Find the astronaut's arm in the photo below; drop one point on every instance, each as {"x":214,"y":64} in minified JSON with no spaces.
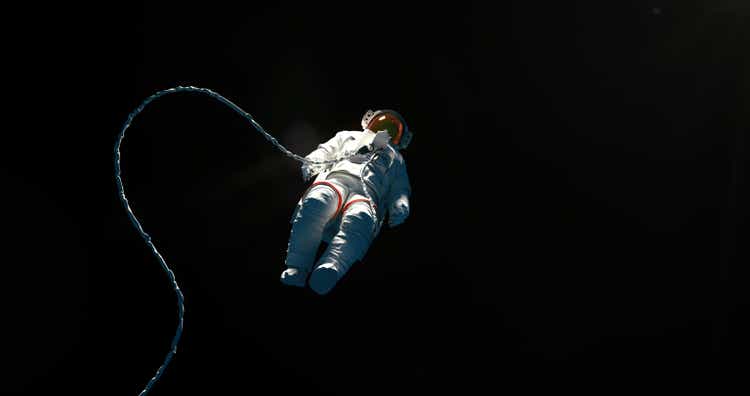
{"x":325,"y":152}
{"x":398,"y":202}
{"x":328,"y":150}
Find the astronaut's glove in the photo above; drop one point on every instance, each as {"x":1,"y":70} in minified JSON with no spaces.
{"x":307,"y":172}
{"x":381,"y":140}
{"x":398,"y":212}
{"x":310,"y":170}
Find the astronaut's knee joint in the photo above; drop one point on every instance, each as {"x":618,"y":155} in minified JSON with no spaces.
{"x":319,"y":197}
{"x":359,"y":216}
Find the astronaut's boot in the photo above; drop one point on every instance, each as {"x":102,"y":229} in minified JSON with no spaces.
{"x":325,"y":276}
{"x":294,"y":277}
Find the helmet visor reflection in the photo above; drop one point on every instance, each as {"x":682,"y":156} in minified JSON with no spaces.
{"x":390,"y":123}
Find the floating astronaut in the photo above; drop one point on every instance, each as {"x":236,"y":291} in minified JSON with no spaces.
{"x":347,"y":203}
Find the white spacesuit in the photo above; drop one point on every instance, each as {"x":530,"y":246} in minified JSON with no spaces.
{"x":338,"y":210}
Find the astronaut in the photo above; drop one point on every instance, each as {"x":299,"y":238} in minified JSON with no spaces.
{"x":346,"y":204}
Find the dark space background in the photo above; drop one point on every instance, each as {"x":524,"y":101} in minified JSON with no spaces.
{"x":578,"y":209}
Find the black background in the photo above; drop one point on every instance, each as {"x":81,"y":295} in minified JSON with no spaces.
{"x":577,"y":216}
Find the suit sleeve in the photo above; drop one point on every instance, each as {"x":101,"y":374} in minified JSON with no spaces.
{"x":400,"y":187}
{"x":327,"y":151}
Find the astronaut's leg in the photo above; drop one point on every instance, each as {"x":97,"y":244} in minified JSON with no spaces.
{"x":319,"y":205}
{"x":349,"y":245}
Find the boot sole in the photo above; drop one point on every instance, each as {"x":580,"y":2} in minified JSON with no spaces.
{"x":322,"y":280}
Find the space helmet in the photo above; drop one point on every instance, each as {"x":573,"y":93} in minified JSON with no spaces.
{"x":390,"y":121}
